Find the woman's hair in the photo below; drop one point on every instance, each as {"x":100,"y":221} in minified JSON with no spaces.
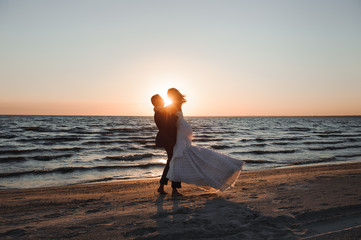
{"x":176,"y":96}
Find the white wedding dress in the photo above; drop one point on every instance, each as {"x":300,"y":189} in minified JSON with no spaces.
{"x":198,"y":165}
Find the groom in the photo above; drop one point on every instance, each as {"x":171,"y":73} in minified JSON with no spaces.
{"x":166,"y":121}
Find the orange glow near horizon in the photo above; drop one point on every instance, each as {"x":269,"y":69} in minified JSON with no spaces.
{"x":60,"y":108}
{"x":202,"y":107}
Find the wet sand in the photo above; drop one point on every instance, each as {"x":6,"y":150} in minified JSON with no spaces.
{"x":313,"y":202}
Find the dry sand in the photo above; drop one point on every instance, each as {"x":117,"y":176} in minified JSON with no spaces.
{"x":314,"y":202}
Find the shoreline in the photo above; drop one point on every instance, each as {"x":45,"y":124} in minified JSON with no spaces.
{"x":154,"y":178}
{"x":243,"y":171}
{"x":298,"y":202}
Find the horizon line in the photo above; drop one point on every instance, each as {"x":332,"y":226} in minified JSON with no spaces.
{"x":75,"y":115}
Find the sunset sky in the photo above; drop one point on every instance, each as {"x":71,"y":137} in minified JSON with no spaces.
{"x":230,"y":58}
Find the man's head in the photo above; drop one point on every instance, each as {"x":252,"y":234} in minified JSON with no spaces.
{"x":157,"y":101}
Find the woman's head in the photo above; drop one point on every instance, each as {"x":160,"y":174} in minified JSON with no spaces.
{"x":176,"y":96}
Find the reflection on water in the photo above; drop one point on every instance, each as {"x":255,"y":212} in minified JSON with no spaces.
{"x":60,"y":150}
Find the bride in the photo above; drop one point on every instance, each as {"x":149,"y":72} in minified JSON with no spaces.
{"x":198,"y":165}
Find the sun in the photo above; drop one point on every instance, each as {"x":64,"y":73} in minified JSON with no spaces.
{"x":161,"y":84}
{"x":167,"y":101}
{"x":161,"y":88}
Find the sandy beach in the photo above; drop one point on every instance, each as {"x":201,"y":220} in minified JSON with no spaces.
{"x":313,"y":202}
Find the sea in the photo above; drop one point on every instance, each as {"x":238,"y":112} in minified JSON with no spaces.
{"x":42,"y":151}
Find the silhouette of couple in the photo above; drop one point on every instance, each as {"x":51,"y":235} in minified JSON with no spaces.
{"x":186,"y":162}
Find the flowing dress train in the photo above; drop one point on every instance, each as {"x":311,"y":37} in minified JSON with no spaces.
{"x":199,"y":165}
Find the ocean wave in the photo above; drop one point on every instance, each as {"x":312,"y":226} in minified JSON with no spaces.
{"x":50,"y":157}
{"x":257,"y":161}
{"x":67,"y":149}
{"x":333,"y":148}
{"x":303,"y":162}
{"x":20,"y":151}
{"x":122,"y":130}
{"x":141,"y":138}
{"x":115,"y":149}
{"x":38,"y":150}
{"x":12,"y":159}
{"x":79,"y":130}
{"x":290,"y":138}
{"x":127,"y":130}
{"x":221,"y":132}
{"x":37,"y":158}
{"x":322,"y":142}
{"x":207,"y":139}
{"x":261,"y":152}
{"x":351,"y":155}
{"x":257,"y":145}
{"x":131,"y":157}
{"x":279,"y":139}
{"x":64,"y":170}
{"x":299,"y":129}
{"x":7,"y":136}
{"x":107,"y":179}
{"x":328,"y":131}
{"x":62,"y":139}
{"x":106,"y":142}
{"x":26,"y":141}
{"x":152,"y":128}
{"x":103,"y":180}
{"x":280,"y":143}
{"x":149,"y":146}
{"x":51,"y":140}
{"x":144,"y":141}
{"x":203,"y":136}
{"x":262,"y":139}
{"x":37,"y":129}
{"x":338,"y":135}
{"x":220,"y":146}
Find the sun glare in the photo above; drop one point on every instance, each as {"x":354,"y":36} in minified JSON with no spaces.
{"x":167,"y":101}
{"x":160,"y":85}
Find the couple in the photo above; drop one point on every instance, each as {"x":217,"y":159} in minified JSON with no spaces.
{"x":187,"y":163}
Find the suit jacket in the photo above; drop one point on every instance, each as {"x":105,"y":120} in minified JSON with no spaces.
{"x":166,"y":121}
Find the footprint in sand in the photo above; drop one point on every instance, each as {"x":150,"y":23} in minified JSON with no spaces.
{"x":104,"y":223}
{"x":253,"y":196}
{"x":208,"y":195}
{"x":54,"y":215}
{"x":93,"y":211}
{"x":17,"y":232}
{"x":71,"y":235}
{"x":290,"y":207}
{"x":75,"y":227}
{"x":294,"y":199}
{"x":279,"y":198}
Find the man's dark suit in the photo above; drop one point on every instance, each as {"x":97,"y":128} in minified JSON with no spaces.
{"x":166,"y":121}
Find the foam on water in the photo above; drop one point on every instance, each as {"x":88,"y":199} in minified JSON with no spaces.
{"x":57,"y":150}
